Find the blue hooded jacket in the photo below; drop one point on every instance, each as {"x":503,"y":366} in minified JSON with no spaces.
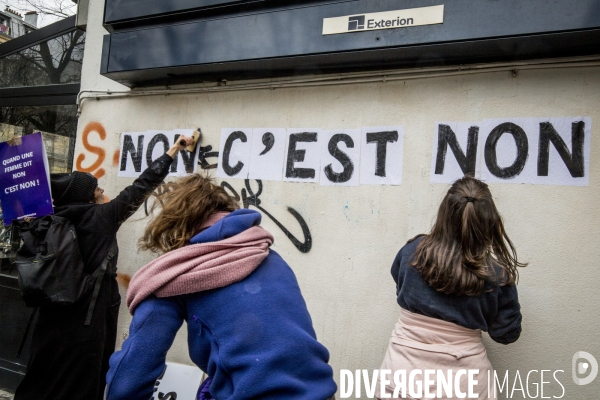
{"x":254,"y":337}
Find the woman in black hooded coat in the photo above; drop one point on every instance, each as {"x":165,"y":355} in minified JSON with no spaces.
{"x":69,"y":360}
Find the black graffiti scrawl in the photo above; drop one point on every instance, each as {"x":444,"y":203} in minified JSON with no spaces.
{"x":249,"y":198}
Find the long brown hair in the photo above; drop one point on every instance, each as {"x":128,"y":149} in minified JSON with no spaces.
{"x":466,"y":242}
{"x":185,"y":204}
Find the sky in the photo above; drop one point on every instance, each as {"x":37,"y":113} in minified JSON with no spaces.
{"x":22,"y":6}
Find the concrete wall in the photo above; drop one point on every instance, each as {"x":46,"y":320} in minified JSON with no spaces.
{"x":358,"y":230}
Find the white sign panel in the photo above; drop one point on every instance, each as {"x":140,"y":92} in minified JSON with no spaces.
{"x":551,"y":151}
{"x":454,"y":151}
{"x":234,"y":153}
{"x":382,"y":155}
{"x":302,"y":155}
{"x":384,"y":20}
{"x":505,"y":146}
{"x":139,"y":149}
{"x":564,"y":161}
{"x":340,"y":157}
{"x":178,"y":382}
{"x":266,"y":155}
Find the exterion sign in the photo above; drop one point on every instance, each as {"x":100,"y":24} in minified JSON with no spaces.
{"x":384,"y":20}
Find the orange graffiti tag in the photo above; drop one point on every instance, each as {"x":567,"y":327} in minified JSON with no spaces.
{"x":94,"y":169}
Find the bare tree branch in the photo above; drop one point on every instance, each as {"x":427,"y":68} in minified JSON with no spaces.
{"x":56,"y":8}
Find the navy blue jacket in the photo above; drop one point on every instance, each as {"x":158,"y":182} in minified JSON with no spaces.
{"x":496,"y":310}
{"x":254,"y":337}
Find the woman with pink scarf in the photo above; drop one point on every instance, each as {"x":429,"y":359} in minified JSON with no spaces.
{"x":248,"y":325}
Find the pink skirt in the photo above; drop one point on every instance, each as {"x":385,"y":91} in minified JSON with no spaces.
{"x":423,"y":343}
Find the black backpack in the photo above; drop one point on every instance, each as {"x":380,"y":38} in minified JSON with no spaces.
{"x":50,"y":266}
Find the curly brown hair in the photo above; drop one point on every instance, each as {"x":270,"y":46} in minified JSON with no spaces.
{"x":185,"y":204}
{"x":466,"y":242}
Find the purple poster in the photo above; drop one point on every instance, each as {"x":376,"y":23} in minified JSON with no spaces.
{"x":24,"y":179}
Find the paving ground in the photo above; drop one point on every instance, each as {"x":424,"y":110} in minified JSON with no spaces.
{"x":5,"y":395}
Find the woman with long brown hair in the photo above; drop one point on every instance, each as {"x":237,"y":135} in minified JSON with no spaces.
{"x":451,"y":285}
{"x":248,"y":325}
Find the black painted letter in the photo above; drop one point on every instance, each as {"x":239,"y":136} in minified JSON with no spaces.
{"x":342,"y":157}
{"x":382,"y":139}
{"x":136,"y":156}
{"x":294,"y":156}
{"x":491,"y":159}
{"x":447,"y":138}
{"x":229,"y":170}
{"x":158,"y":138}
{"x":573,"y":160}
{"x":186,"y":156}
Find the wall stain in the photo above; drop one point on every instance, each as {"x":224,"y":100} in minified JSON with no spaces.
{"x":116,"y":158}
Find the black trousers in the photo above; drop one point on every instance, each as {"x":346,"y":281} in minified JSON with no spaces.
{"x":69,"y":361}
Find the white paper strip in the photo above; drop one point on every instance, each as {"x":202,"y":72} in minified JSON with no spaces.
{"x":234,"y":153}
{"x":453,"y":151}
{"x":266,"y":155}
{"x":302,"y":155}
{"x":178,"y":382}
{"x":382,"y":154}
{"x":536,"y":150}
{"x":574,"y":170}
{"x":137,"y":148}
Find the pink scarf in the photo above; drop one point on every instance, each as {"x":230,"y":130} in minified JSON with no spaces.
{"x":202,"y":266}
